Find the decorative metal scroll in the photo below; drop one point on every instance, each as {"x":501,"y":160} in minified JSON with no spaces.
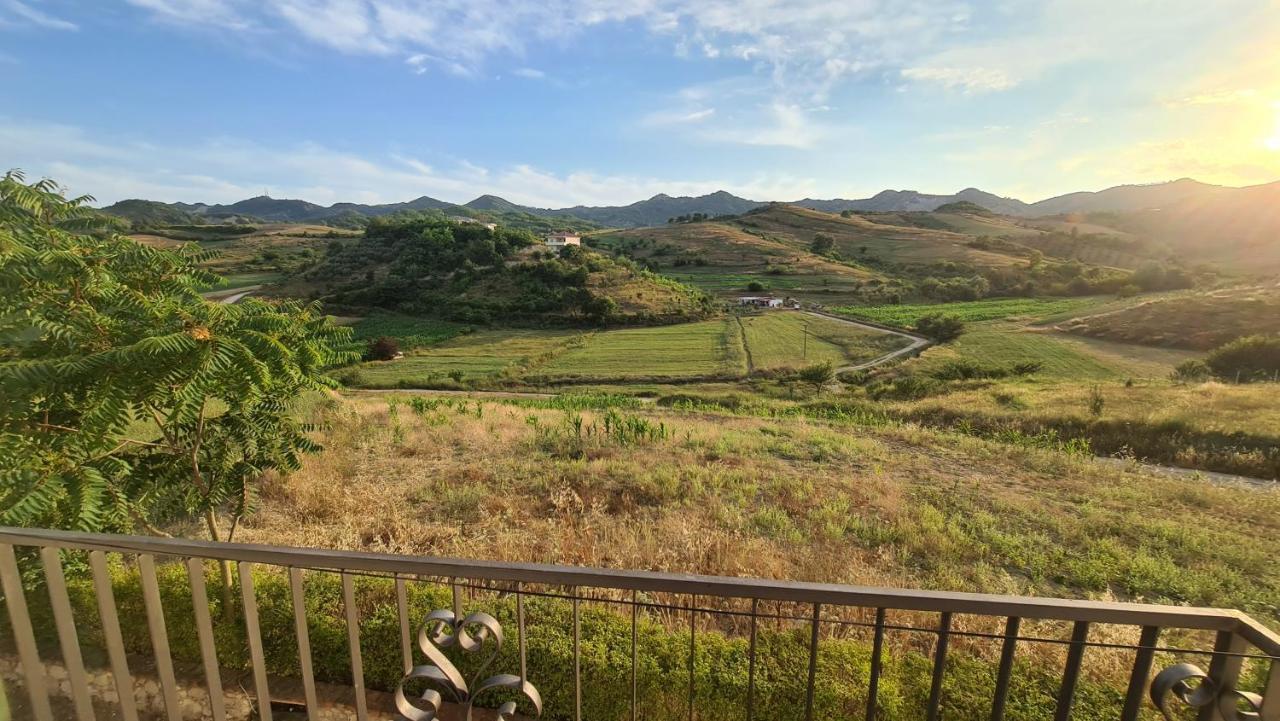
{"x":473,"y":635}
{"x":1189,"y":684}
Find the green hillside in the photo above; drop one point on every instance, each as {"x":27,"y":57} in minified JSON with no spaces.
{"x":1199,"y":321}
{"x":424,"y":265}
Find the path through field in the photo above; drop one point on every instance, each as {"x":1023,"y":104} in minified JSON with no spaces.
{"x":918,"y":342}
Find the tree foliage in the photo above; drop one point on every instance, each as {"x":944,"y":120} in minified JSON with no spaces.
{"x":1252,"y":358}
{"x":125,"y":397}
{"x":940,"y":326}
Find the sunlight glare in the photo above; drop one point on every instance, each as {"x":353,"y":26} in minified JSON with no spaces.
{"x":1273,"y":142}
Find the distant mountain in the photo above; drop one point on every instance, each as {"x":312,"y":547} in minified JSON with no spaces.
{"x":660,"y":208}
{"x":898,"y":201}
{"x":152,"y":213}
{"x":1128,"y":198}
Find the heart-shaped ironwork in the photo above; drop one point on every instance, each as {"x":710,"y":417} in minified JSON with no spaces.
{"x":442,"y":630}
{"x":1192,"y":686}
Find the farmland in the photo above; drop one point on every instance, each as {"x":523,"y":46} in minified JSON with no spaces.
{"x":981,"y":310}
{"x":725,"y":349}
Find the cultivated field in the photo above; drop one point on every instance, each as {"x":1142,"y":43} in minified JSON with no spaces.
{"x":725,"y":348}
{"x":905,"y":315}
{"x":774,"y":341}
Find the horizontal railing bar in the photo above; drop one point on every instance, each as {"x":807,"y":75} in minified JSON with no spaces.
{"x":655,"y":606}
{"x":805,"y":592}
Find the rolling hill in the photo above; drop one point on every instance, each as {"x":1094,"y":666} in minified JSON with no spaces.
{"x":1199,"y":321}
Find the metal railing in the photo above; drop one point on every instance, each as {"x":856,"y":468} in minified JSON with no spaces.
{"x":436,"y":671}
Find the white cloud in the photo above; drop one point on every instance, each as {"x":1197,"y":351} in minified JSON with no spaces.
{"x":663,"y":118}
{"x":223,"y":170}
{"x":202,"y":13}
{"x":531,"y":73}
{"x":967,"y":79}
{"x":25,"y":14}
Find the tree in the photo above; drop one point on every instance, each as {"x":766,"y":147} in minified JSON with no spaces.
{"x":822,"y":243}
{"x":125,"y":397}
{"x":940,"y":327}
{"x":755,"y":286}
{"x":817,"y":375}
{"x":382,"y":349}
{"x":1248,"y":359}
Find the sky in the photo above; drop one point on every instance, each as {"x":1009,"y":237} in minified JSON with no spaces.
{"x":605,"y":102}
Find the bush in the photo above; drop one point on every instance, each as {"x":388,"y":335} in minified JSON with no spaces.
{"x":853,"y":378}
{"x":940,"y":326}
{"x":1253,"y":358}
{"x":382,"y":349}
{"x":1191,"y":371}
{"x":755,"y":286}
{"x":817,"y":375}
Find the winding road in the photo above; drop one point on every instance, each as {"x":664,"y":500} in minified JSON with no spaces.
{"x":917,"y":344}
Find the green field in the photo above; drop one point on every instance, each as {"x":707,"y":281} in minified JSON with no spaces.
{"x":970,"y":311}
{"x":685,"y":350}
{"x":792,"y":340}
{"x":476,"y":355}
{"x":724,"y":348}
{"x":412,"y":332}
{"x":1062,"y":357}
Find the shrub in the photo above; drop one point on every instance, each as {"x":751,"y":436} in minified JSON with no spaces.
{"x":817,"y":375}
{"x":1097,"y":402}
{"x":755,"y":286}
{"x":940,"y":327}
{"x":382,"y":349}
{"x":1191,"y":371}
{"x":1247,"y":359}
{"x":853,"y":378}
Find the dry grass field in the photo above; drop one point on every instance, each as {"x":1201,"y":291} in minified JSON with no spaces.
{"x":889,"y":504}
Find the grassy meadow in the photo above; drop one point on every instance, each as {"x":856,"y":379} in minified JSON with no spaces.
{"x":906,"y":315}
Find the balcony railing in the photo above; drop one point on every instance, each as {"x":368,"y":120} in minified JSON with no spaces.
{"x":173,"y":622}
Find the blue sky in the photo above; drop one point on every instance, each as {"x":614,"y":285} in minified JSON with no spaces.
{"x":598,"y":102}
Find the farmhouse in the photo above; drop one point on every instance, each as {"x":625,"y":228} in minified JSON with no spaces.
{"x":760,"y":301}
{"x":562,"y":238}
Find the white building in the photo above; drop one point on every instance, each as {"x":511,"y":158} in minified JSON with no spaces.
{"x":561,"y":239}
{"x":760,"y":301}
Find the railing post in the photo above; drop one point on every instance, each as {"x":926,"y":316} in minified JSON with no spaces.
{"x":813,"y":663}
{"x":28,"y":656}
{"x":159,"y":635}
{"x":1224,"y":669}
{"x":1271,"y":694}
{"x":111,"y":634}
{"x":1005,"y":674}
{"x":1141,"y":673}
{"x":204,"y":630}
{"x":303,"y":634}
{"x":877,"y":650}
{"x":939,"y":667}
{"x":254,"y":634}
{"x":68,"y":638}
{"x":1071,"y":674}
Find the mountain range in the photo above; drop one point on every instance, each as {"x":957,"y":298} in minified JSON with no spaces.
{"x":660,"y":208}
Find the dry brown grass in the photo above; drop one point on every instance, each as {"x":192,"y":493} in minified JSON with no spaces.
{"x":789,"y":499}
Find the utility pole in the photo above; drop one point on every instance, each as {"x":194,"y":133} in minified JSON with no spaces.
{"x":804,"y":354}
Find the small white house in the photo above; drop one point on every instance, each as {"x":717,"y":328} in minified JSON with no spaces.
{"x":562,"y":238}
{"x":760,"y":301}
